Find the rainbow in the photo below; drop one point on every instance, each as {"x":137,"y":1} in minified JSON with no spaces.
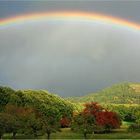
{"x":63,"y":15}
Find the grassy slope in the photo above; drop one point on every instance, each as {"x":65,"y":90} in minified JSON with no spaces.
{"x":124,"y":93}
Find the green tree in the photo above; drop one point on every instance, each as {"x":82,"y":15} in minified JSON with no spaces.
{"x":5,"y":93}
{"x":23,"y":120}
{"x":14,"y":121}
{"x":83,"y":123}
{"x":33,"y":123}
{"x":51,"y":121}
{"x":3,"y":120}
{"x":8,"y":124}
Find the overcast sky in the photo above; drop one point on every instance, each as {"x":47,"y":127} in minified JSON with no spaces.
{"x":69,"y":58}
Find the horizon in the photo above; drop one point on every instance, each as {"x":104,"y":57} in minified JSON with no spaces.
{"x":92,"y":92}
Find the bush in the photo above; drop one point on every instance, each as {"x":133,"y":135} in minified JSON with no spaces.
{"x":99,"y":129}
{"x":137,"y":115}
{"x":134,"y":128}
{"x":129,"y":113}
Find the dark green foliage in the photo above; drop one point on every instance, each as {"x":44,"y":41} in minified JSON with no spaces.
{"x":83,"y":123}
{"x":9,"y":123}
{"x":128,"y":113}
{"x":22,"y":120}
{"x":22,"y":106}
{"x":27,"y":121}
{"x":134,"y":128}
{"x":46,"y":102}
{"x":3,"y":124}
{"x":137,"y":116}
{"x":50,"y":124}
{"x":5,"y":94}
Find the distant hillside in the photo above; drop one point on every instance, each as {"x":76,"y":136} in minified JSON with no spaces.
{"x":123,"y":93}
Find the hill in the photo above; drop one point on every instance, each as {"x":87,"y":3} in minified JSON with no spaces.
{"x":41,"y":99}
{"x":123,"y":93}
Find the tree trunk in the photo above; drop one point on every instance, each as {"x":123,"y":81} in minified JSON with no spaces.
{"x":35,"y":133}
{"x":85,"y":135}
{"x":14,"y":134}
{"x":48,"y":136}
{"x":0,"y":136}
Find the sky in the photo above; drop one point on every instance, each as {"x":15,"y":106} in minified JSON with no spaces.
{"x":69,"y":58}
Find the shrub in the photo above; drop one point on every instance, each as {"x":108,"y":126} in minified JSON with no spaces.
{"x":134,"y":128}
{"x":137,"y":115}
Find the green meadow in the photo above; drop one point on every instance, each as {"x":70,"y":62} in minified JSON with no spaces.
{"x":66,"y":133}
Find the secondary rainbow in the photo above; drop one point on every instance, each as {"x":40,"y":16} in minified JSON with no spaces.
{"x":82,"y":16}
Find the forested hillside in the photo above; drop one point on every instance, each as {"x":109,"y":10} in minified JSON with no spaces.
{"x":40,"y":99}
{"x":123,"y":93}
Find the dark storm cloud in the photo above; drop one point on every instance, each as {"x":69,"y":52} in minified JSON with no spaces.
{"x":69,"y":58}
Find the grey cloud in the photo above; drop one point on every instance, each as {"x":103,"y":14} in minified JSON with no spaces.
{"x":68,"y":58}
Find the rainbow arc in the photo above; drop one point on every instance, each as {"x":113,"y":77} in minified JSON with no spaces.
{"x":78,"y":16}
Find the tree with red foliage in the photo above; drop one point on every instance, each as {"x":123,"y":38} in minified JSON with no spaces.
{"x":65,"y":122}
{"x":92,"y":108}
{"x":105,"y":119}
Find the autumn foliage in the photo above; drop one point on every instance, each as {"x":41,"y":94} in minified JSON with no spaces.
{"x":104,"y":120}
{"x":65,"y":122}
{"x":92,"y":108}
{"x":107,"y":119}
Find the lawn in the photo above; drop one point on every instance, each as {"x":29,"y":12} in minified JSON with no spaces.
{"x":66,"y":133}
{"x":116,"y":134}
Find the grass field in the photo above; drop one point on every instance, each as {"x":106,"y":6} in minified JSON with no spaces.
{"x":66,"y":133}
{"x":117,"y":134}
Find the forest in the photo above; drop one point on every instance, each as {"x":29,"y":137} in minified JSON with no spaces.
{"x":112,"y":113}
